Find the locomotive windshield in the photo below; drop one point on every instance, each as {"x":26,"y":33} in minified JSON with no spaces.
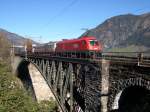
{"x":93,"y":42}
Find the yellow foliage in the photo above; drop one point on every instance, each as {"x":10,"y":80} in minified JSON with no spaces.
{"x":5,"y":48}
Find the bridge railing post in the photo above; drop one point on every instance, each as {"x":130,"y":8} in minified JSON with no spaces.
{"x":71,"y":87}
{"x":104,"y":85}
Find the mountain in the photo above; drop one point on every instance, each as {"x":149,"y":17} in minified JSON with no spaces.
{"x":14,"y":38}
{"x":124,"y":31}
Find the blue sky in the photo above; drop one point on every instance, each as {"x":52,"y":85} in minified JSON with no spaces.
{"x":50,"y":20}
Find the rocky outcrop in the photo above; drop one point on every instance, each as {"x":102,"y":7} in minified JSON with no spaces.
{"x":123,"y":31}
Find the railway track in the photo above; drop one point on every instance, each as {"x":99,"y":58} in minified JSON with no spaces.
{"x":142,"y":59}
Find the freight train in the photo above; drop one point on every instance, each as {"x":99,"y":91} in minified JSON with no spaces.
{"x":86,"y":46}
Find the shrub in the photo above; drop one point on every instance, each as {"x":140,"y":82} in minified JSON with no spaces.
{"x":13,"y":97}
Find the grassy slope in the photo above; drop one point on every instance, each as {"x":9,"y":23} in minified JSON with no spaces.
{"x":13,"y":98}
{"x":131,"y":48}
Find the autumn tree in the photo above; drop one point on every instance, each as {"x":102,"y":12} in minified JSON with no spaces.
{"x":5,"y":48}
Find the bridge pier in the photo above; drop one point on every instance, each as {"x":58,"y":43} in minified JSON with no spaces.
{"x":15,"y":61}
{"x":42,"y":90}
{"x":104,"y":85}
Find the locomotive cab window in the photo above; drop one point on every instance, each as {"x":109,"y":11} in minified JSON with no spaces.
{"x":93,"y":42}
{"x":96,"y":43}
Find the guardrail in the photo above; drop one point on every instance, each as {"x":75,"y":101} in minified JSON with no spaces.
{"x":140,"y":57}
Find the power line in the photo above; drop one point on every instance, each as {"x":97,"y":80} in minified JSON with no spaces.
{"x":61,"y":12}
{"x":141,"y":9}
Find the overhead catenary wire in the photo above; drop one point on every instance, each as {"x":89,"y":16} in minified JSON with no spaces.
{"x":141,"y":9}
{"x":61,"y":12}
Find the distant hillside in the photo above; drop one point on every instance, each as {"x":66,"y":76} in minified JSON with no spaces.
{"x":14,"y":38}
{"x":124,"y":31}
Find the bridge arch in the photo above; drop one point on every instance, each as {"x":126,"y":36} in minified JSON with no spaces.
{"x":32,"y":79}
{"x":133,"y":95}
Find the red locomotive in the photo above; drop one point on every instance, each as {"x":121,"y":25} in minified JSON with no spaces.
{"x":85,"y":47}
{"x":83,"y":44}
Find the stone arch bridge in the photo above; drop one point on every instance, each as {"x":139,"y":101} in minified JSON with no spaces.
{"x":107,"y":84}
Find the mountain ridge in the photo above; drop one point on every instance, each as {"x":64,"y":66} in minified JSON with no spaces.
{"x":123,"y":31}
{"x":15,"y":38}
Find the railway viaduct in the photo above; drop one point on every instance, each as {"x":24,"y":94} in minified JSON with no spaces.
{"x":107,"y":84}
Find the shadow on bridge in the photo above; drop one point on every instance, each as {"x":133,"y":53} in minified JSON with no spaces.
{"x":24,"y":75}
{"x":134,"y":99}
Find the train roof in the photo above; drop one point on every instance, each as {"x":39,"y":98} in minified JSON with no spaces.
{"x":78,"y":39}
